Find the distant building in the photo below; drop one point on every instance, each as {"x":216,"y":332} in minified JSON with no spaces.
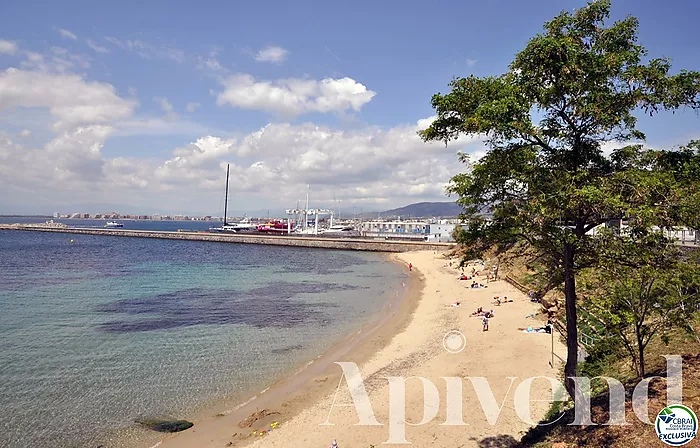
{"x":56,"y":215}
{"x":441,"y":233}
{"x":436,"y":230}
{"x":417,"y":228}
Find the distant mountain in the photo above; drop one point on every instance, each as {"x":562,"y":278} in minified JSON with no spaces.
{"x":422,"y":210}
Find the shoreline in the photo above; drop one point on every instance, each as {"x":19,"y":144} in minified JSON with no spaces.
{"x":413,"y":345}
{"x":306,"y":383}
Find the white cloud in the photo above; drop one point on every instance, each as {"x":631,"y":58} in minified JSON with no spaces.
{"x":191,"y":107}
{"x":69,"y":98}
{"x":160,"y":126}
{"x":210,"y":62}
{"x":294,"y":96}
{"x":115,"y":41}
{"x":369,"y":164}
{"x":424,"y":123}
{"x":76,"y":153}
{"x":7,"y":47}
{"x":96,"y":47}
{"x":25,"y":133}
{"x":59,"y":60}
{"x":369,"y":167}
{"x":471,"y":62}
{"x":67,"y":34}
{"x":272,"y":54}
{"x":149,"y":51}
{"x":166,"y":107}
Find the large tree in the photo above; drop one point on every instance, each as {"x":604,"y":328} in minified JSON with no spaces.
{"x":545,"y":177}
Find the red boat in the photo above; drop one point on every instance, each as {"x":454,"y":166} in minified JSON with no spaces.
{"x":275,"y":226}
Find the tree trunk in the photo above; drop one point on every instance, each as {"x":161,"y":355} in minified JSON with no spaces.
{"x":640,"y":346}
{"x":571,"y":329}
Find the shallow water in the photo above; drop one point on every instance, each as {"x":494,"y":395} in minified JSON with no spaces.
{"x":99,"y":332}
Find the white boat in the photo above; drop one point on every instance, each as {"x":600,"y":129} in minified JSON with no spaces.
{"x":340,"y":230}
{"x":113,"y":224}
{"x":244,"y":225}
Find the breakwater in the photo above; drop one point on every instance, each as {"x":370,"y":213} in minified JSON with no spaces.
{"x":276,"y":240}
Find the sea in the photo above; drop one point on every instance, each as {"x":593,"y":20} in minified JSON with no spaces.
{"x":98,"y":332}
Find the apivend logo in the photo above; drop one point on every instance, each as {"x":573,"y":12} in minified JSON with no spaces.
{"x":676,"y":425}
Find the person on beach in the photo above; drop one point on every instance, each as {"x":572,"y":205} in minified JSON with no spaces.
{"x":485,"y":323}
{"x":545,"y":329}
{"x":500,"y":300}
{"x":410,"y":266}
{"x":334,"y":444}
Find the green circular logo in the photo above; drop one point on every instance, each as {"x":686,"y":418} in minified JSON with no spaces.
{"x":676,"y":425}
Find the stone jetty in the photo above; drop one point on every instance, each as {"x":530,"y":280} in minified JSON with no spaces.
{"x":373,"y":245}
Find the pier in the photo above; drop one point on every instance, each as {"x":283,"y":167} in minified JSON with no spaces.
{"x":372,"y":245}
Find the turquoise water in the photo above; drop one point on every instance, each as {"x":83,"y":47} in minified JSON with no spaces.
{"x":97,"y":333}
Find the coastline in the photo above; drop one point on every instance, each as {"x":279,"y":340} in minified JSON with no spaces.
{"x":415,"y":347}
{"x":303,"y":385}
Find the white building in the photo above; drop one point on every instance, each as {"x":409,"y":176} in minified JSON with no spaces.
{"x":441,"y":233}
{"x":418,"y":230}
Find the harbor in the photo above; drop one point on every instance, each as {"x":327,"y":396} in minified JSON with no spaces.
{"x":357,"y":244}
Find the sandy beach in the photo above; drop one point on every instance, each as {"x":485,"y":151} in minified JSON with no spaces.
{"x":410,"y":342}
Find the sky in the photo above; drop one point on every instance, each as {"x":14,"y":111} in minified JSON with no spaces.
{"x":139,"y":106}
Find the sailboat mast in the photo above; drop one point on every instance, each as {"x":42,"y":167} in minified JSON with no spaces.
{"x":226,"y":200}
{"x":306,"y":212}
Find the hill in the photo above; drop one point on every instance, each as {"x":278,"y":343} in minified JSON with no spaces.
{"x":422,"y":210}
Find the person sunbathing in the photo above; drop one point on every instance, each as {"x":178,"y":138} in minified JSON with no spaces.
{"x":500,"y":300}
{"x":545,"y":329}
{"x":455,"y":304}
{"x":479,"y":311}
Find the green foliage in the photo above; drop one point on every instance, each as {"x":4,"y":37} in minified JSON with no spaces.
{"x":545,"y":178}
{"x":643,"y":288}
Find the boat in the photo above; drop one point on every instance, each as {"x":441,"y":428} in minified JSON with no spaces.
{"x":276,"y":226}
{"x":113,"y":224}
{"x":340,"y":230}
{"x":244,"y":225}
{"x":233,"y":227}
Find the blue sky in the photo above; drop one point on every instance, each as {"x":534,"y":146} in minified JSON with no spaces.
{"x":166,"y":93}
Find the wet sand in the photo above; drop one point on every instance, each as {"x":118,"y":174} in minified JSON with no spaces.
{"x":405,"y":340}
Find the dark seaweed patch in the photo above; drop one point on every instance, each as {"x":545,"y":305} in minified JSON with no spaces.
{"x":267,"y":306}
{"x":287,"y":349}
